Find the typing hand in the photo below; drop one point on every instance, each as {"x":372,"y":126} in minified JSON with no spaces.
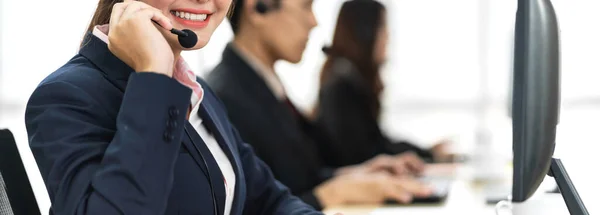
{"x":409,"y":162}
{"x":440,"y":151}
{"x":401,"y":164}
{"x":374,"y":188}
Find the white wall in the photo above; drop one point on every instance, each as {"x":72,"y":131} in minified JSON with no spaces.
{"x":55,"y":35}
{"x":445,"y":60}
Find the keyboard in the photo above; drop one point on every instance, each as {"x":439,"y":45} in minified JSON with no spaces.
{"x":441,"y":188}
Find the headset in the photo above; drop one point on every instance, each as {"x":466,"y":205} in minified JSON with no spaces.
{"x":261,"y":7}
{"x":188,"y":38}
{"x":184,"y":39}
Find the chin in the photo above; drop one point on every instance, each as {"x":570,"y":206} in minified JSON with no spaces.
{"x":201,"y":44}
{"x":203,"y":39}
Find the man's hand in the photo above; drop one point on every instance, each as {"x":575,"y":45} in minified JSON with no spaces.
{"x":374,"y":188}
{"x":401,"y":164}
{"x":440,"y":151}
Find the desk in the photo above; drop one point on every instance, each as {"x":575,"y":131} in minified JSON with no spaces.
{"x":465,"y":197}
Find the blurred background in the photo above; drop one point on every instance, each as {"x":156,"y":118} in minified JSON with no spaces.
{"x":448,"y":73}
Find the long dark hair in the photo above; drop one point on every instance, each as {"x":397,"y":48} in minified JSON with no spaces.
{"x":354,"y":38}
{"x":104,"y":9}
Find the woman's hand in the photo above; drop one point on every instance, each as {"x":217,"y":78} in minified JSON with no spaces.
{"x":372,"y":188}
{"x":134,"y":38}
{"x":405,"y":163}
{"x":441,"y":152}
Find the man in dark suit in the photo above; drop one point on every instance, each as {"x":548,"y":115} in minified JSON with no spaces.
{"x":257,"y":105}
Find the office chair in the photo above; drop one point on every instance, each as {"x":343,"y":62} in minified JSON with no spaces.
{"x":16,"y":194}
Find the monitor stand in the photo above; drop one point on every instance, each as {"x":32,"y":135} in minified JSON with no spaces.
{"x":549,"y":203}
{"x":566,"y":188}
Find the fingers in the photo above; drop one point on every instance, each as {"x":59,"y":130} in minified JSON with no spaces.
{"x":399,"y":164}
{"x":156,"y":15}
{"x":398,"y":195}
{"x":163,"y":20}
{"x":381,"y":161}
{"x":398,"y":168}
{"x":117,"y":12}
{"x":415,"y":163}
{"x":391,"y":191}
{"x":413,"y":187}
{"x":411,"y":161}
{"x":131,"y":9}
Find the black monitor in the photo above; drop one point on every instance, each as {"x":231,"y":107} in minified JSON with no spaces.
{"x":536,"y":102}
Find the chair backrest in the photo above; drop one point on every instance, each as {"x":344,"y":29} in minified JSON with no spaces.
{"x":5,"y":208}
{"x":16,"y":194}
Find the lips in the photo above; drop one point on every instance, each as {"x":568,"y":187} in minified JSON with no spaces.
{"x":192,"y":18}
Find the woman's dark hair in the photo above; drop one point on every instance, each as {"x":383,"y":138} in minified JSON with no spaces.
{"x":354,"y":38}
{"x":104,"y":9}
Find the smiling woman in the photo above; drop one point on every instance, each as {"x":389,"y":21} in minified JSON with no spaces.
{"x":125,"y":127}
{"x":184,"y":16}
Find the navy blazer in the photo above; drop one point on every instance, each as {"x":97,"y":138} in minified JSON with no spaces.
{"x":281,"y":137}
{"x":108,"y":140}
{"x":345,"y":112}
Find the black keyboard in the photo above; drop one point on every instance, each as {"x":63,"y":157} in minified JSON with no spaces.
{"x":441,"y":188}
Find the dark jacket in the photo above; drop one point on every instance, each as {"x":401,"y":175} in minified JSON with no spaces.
{"x":108,"y":140}
{"x":283,"y":139}
{"x":345,"y":113}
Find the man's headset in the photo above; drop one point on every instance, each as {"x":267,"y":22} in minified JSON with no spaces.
{"x":262,"y":7}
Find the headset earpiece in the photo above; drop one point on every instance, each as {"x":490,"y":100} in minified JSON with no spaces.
{"x":261,"y":7}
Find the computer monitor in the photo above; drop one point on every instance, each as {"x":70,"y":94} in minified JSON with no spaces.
{"x":536,"y":90}
{"x":536,"y":102}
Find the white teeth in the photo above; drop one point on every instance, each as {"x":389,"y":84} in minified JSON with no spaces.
{"x":190,"y":16}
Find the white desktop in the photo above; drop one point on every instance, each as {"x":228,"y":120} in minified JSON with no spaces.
{"x":468,"y":196}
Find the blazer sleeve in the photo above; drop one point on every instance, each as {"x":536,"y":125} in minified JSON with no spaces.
{"x":266,"y":195}
{"x":90,"y":167}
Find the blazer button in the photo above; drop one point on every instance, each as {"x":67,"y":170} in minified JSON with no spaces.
{"x":168,"y":137}
{"x":171,"y":124}
{"x":173,"y":112}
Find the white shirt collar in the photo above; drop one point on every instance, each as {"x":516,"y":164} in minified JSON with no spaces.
{"x":268,"y":75}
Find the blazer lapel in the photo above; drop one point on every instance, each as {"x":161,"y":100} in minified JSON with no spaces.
{"x":218,"y":130}
{"x":216,"y":176}
{"x":274,"y":111}
{"x":118,"y":73}
{"x":189,"y":145}
{"x":257,"y":89}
